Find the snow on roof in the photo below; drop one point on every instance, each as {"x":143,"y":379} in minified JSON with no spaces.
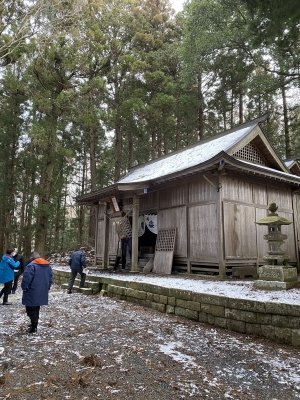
{"x":186,"y":158}
{"x":289,"y":163}
{"x":268,"y":169}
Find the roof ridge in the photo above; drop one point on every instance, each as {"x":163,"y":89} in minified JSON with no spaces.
{"x":254,"y":121}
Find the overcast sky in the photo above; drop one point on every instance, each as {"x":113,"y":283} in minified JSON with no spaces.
{"x":177,"y":4}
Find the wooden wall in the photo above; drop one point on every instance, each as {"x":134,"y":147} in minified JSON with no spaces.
{"x":244,"y":202}
{"x":99,"y":248}
{"x":199,"y":211}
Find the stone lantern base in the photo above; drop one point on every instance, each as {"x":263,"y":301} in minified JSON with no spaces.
{"x":276,"y":277}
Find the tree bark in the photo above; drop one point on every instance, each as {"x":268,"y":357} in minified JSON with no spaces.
{"x":287,"y":138}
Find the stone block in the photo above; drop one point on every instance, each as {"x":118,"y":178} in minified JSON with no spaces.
{"x":240,"y":315}
{"x":296,"y":337}
{"x":237,"y":326}
{"x":253,"y":329}
{"x":202,"y":317}
{"x":158,"y":307}
{"x":283,"y":335}
{"x":156,"y":289}
{"x":283,"y":309}
{"x":180,"y":294}
{"x":149,"y":296}
{"x":189,"y":314}
{"x":87,"y":291}
{"x":210,"y":299}
{"x":170,"y":309}
{"x":285,"y":321}
{"x":137,"y":294}
{"x":190,"y":305}
{"x":268,"y":331}
{"x":172,"y":301}
{"x":220,"y":322}
{"x":277,"y":273}
{"x":163,"y":299}
{"x":274,"y":285}
{"x":217,"y":311}
{"x":116,"y":290}
{"x":246,"y":305}
{"x":263,"y":318}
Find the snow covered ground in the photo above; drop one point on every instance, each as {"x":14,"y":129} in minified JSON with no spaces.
{"x":238,"y":289}
{"x":90,"y":347}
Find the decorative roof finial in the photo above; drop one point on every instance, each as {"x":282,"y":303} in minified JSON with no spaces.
{"x":273,"y":208}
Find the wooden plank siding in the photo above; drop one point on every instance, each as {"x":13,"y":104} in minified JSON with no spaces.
{"x":239,"y":231}
{"x":149,"y":202}
{"x":99,"y":247}
{"x":215,"y":224}
{"x":244,"y":202}
{"x":203,"y":232}
{"x":175,"y":218}
{"x":261,"y":243}
{"x":202,"y":191}
{"x":113,"y":237}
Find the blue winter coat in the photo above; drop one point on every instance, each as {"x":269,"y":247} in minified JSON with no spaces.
{"x":36,"y":283}
{"x":77,"y":260}
{"x":7,"y":266}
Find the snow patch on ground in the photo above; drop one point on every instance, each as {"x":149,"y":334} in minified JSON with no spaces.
{"x":233,"y":289}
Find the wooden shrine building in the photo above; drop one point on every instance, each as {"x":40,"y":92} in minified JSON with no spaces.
{"x":212,"y":192}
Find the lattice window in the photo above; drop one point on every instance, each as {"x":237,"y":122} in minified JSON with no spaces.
{"x":250,"y":153}
{"x":165,"y":240}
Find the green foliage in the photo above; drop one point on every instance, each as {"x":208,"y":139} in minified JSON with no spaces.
{"x":90,"y":89}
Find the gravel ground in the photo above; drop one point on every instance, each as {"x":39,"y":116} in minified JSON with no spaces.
{"x":97,"y":347}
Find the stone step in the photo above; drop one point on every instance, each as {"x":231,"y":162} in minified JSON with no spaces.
{"x":90,"y":284}
{"x":84,"y":290}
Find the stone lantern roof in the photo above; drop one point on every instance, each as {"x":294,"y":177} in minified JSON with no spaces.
{"x":273,"y":218}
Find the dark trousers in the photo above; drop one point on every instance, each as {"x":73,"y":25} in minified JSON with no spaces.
{"x":33,"y":313}
{"x":73,"y":277}
{"x":126,"y":244}
{"x":16,"y":280}
{"x":6,"y":290}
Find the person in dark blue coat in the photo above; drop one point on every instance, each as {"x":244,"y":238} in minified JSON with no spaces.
{"x":77,"y":264}
{"x":19,"y":271}
{"x":7,"y":267}
{"x":36,"y":283}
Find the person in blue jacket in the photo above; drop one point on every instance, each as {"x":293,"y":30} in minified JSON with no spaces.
{"x":77,"y":264}
{"x":7,"y":267}
{"x":36,"y":283}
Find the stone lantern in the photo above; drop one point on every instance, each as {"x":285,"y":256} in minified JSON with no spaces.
{"x":276,"y":274}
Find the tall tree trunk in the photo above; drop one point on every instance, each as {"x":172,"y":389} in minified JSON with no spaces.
{"x":200,"y":108}
{"x":45,"y":187}
{"x":22,"y":219}
{"x":81,"y":208}
{"x":130,"y":148}
{"x":28,"y":228}
{"x":118,"y":147}
{"x":92,"y":221}
{"x":287,"y":138}
{"x":241,"y":107}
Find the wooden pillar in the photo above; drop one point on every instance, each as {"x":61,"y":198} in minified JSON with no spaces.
{"x":96,"y":233}
{"x":220,"y":219}
{"x":296,"y":220}
{"x":105,"y":260}
{"x":135,"y":236}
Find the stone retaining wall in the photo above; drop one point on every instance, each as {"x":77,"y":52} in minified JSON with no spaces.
{"x":275,"y":321}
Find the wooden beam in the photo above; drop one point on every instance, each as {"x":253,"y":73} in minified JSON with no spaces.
{"x":220,"y":219}
{"x":105,"y":260}
{"x":135,"y":231}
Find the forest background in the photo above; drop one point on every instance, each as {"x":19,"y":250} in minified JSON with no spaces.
{"x":90,"y":88}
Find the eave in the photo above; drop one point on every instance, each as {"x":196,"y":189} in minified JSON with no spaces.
{"x":222,"y":159}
